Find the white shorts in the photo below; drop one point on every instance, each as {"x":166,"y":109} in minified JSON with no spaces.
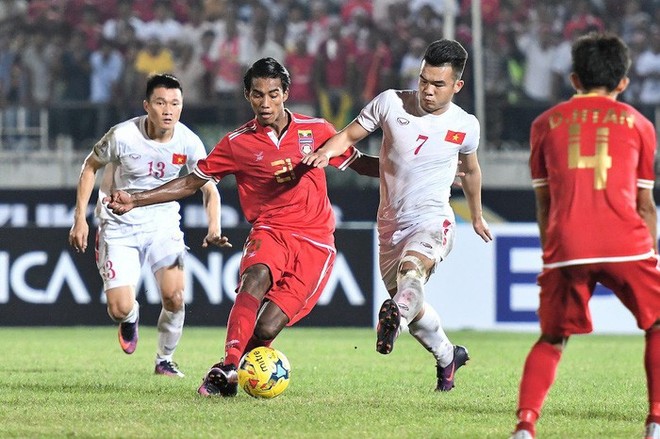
{"x":432,"y":239}
{"x":121,"y":251}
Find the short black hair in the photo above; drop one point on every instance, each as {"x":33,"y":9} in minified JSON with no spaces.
{"x":267,"y":68}
{"x":166,"y":80}
{"x":600,"y":60}
{"x":442,"y":52}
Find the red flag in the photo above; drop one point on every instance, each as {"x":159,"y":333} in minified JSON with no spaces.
{"x":179,"y":159}
{"x":455,"y":137}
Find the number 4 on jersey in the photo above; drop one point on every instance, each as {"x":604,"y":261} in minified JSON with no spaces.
{"x":600,"y":162}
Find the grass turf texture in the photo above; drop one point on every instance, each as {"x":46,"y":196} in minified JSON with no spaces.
{"x":76,"y":382}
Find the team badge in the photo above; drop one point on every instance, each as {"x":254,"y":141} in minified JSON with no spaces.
{"x":456,"y":137}
{"x":305,"y":141}
{"x":179,"y":159}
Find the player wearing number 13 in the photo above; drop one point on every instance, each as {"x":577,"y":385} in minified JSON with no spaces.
{"x":135,"y":155}
{"x":424,"y":136}
{"x":592,"y":170}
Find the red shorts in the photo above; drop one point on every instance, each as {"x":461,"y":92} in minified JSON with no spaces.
{"x":565,"y":294}
{"x":300,"y":267}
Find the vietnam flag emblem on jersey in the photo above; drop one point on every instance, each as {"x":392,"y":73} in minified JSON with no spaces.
{"x":179,"y":159}
{"x":455,"y":137}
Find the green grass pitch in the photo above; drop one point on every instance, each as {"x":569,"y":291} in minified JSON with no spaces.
{"x":76,"y":383}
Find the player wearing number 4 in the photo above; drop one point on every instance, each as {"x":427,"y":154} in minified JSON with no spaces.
{"x":136,"y":155}
{"x":592,"y":170}
{"x":424,"y":136}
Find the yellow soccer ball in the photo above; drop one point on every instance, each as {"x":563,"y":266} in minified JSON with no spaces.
{"x":264,"y":372}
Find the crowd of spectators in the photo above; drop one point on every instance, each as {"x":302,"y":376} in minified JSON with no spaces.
{"x":73,"y":56}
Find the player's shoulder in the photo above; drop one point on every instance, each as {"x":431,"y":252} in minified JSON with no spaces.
{"x":638,"y":117}
{"x":246,"y":129}
{"x":303,"y":119}
{"x":459,"y":116}
{"x":125,"y":132}
{"x":308,"y":125}
{"x":128,"y":128}
{"x":188,"y":134}
{"x":543,"y":117}
{"x":392,"y":95}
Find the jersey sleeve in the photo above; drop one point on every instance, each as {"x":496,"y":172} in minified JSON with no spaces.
{"x":645,"y":167}
{"x":197,"y":151}
{"x":343,"y":161}
{"x":219,"y":163}
{"x":372,"y":114}
{"x":537,"y":166}
{"x":472,"y":136}
{"x":105,"y":150}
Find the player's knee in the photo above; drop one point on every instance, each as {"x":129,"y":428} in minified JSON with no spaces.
{"x":267,"y":330}
{"x":118,"y":310}
{"x":557,"y":341}
{"x":256,"y":280}
{"x":411,"y":266}
{"x":172,"y":300}
{"x":656,"y":326}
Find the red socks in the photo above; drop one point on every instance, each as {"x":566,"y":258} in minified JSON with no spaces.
{"x":240,"y":326}
{"x":538,"y":376}
{"x":652,"y":366}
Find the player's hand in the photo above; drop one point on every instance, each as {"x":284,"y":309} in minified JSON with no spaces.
{"x":216,"y":239}
{"x":316,"y":160}
{"x":119,"y":202}
{"x":78,"y":235}
{"x":481,"y":228}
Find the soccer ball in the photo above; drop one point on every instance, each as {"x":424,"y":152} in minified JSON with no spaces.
{"x":264,"y":372}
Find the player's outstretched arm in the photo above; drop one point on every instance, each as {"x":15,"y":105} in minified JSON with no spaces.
{"x":336,"y":145}
{"x":121,"y":202}
{"x":212,"y":207}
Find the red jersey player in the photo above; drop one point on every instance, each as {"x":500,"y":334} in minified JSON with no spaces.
{"x":592,"y":170}
{"x":287,"y":204}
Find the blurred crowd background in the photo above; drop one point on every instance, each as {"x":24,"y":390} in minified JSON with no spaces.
{"x":69,"y":69}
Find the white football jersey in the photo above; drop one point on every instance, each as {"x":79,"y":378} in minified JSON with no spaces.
{"x":418,"y":156}
{"x":136,"y":163}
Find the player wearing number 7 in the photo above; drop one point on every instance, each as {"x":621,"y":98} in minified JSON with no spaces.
{"x":592,"y":170}
{"x":424,"y":136}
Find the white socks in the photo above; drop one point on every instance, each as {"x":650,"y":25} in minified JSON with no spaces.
{"x":428,"y":331}
{"x":410,"y":294}
{"x":170,"y":328}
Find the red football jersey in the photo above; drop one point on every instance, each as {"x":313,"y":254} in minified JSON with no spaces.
{"x":274,"y":188}
{"x":593,"y":152}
